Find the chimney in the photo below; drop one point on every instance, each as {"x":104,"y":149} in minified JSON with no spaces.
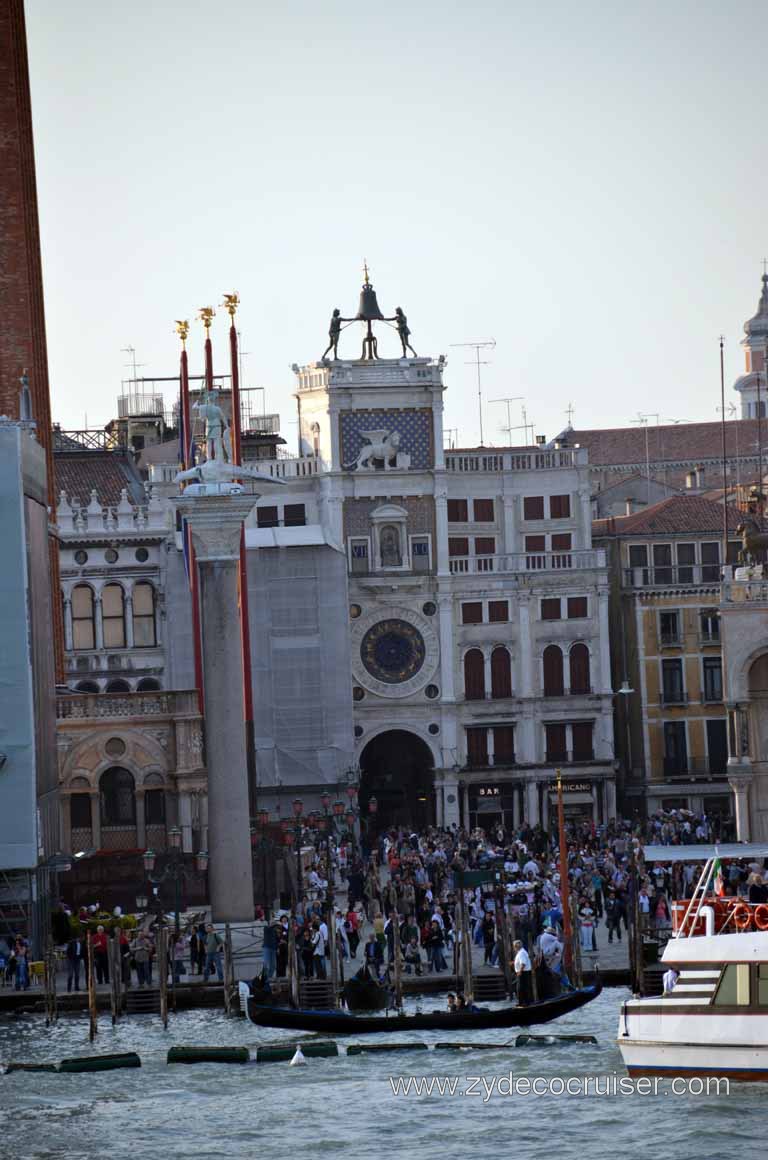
{"x":628,"y":506}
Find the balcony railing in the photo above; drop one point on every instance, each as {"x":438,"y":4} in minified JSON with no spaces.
{"x":470,"y":461}
{"x":670,"y":639}
{"x":673,"y":697}
{"x":669,"y":576}
{"x":581,"y":559}
{"x":77,"y":706}
{"x":689,"y":768}
{"x":709,"y":638}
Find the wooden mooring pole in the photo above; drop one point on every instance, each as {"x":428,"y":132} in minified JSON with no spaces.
{"x":229,"y":970}
{"x":162,"y":967}
{"x":93,"y":1017}
{"x":51,"y":1004}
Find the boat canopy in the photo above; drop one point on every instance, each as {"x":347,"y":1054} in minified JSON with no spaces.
{"x":704,"y":853}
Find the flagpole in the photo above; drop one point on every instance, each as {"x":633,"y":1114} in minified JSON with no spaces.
{"x":565,"y":894}
{"x":231,"y":302}
{"x":182,"y":329}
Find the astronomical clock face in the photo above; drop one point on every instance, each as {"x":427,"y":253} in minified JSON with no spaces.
{"x":393,"y":655}
{"x":392,"y":651}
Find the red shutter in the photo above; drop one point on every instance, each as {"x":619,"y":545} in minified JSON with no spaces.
{"x":504,"y":745}
{"x":582,"y":741}
{"x":533,"y":507}
{"x":579,"y":668}
{"x":556,"y":750}
{"x":458,"y":546}
{"x":501,"y":673}
{"x":474,"y":675}
{"x":477,"y":747}
{"x":559,"y":507}
{"x":553,"y":671}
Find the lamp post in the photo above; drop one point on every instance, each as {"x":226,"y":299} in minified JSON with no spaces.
{"x":175,"y":870}
{"x":266,"y":846}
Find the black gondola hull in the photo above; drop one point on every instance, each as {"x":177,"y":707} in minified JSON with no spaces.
{"x":337,"y":1023}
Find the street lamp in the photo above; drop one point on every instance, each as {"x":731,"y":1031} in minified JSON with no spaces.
{"x":141,"y":902}
{"x":298,"y":809}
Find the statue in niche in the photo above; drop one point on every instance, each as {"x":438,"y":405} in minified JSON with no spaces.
{"x":389,"y":546}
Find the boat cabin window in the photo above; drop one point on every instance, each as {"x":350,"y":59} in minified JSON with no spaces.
{"x":762,"y":984}
{"x":733,"y":990}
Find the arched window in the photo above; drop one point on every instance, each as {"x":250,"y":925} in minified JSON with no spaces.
{"x":474,"y":675}
{"x":80,"y":811}
{"x":154,"y":807}
{"x":579,"y":668}
{"x":501,"y":673}
{"x":144,"y":616}
{"x":553,"y":671}
{"x":83,"y":618}
{"x":118,"y":800}
{"x":148,"y":685}
{"x":113,"y":616}
{"x":118,"y":686}
{"x":86,"y":687}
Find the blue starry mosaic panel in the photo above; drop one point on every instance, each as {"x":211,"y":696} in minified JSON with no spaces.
{"x":413,"y":426}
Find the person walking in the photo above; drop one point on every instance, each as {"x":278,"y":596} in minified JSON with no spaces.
{"x":521,"y":964}
{"x":141,"y":948}
{"x":489,"y":937}
{"x":74,"y":961}
{"x":101,"y":955}
{"x":213,"y":945}
{"x":269,"y":948}
{"x":318,"y":951}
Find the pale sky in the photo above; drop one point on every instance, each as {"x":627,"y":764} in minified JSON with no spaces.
{"x":583,"y":182}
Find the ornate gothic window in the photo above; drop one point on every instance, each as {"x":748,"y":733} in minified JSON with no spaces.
{"x":83,"y":619}
{"x":474,"y":675}
{"x":113,"y":616}
{"x":117,"y":797}
{"x":553,"y":671}
{"x":144,"y":616}
{"x":501,"y":673}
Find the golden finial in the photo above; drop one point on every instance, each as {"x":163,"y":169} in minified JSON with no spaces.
{"x":206,"y":315}
{"x":231,"y":302}
{"x":182,"y":329}
{"x":365,"y":272}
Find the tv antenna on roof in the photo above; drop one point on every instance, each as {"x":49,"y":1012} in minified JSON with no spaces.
{"x":483,"y":344}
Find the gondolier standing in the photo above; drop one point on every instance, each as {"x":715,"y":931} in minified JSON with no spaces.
{"x":522,"y":967}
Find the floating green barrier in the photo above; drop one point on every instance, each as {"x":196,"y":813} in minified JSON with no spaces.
{"x":550,"y":1040}
{"x":100,"y":1062}
{"x":209,"y":1055}
{"x":471,"y":1046}
{"x":279,"y":1053}
{"x":30,"y":1067}
{"x":366,"y":1048}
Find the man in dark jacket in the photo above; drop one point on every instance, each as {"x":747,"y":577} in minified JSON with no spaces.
{"x":74,"y":959}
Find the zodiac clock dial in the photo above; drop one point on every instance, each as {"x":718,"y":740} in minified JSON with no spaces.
{"x":392,"y":651}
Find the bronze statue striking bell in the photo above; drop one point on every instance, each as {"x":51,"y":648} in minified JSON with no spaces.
{"x":368,"y":309}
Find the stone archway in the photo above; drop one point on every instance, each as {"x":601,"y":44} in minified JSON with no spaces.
{"x":397,"y":768}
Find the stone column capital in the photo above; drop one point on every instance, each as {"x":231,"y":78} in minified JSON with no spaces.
{"x":216,"y":522}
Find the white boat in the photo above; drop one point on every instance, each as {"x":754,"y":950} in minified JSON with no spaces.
{"x":714,"y":1021}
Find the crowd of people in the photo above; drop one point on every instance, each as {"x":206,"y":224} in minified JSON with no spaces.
{"x":404,"y":888}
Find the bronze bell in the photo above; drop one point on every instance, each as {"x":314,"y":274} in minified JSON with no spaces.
{"x":368,"y":310}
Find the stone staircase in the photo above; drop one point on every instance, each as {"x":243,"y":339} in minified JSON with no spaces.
{"x":489,"y":987}
{"x":316,"y":994}
{"x":142,"y":1001}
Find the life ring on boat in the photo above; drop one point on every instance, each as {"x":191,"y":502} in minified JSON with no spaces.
{"x":761,"y":916}
{"x":741,"y":916}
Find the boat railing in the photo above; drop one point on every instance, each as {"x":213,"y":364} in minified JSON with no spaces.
{"x":732,"y":915}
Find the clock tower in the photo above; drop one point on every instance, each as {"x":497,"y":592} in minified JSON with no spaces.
{"x":373,"y":427}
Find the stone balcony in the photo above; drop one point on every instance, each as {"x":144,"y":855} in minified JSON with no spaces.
{"x":116,"y":706}
{"x":577,"y":559}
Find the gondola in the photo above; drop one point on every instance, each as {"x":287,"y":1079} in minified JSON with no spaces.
{"x":340,"y":1023}
{"x":362,"y":993}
